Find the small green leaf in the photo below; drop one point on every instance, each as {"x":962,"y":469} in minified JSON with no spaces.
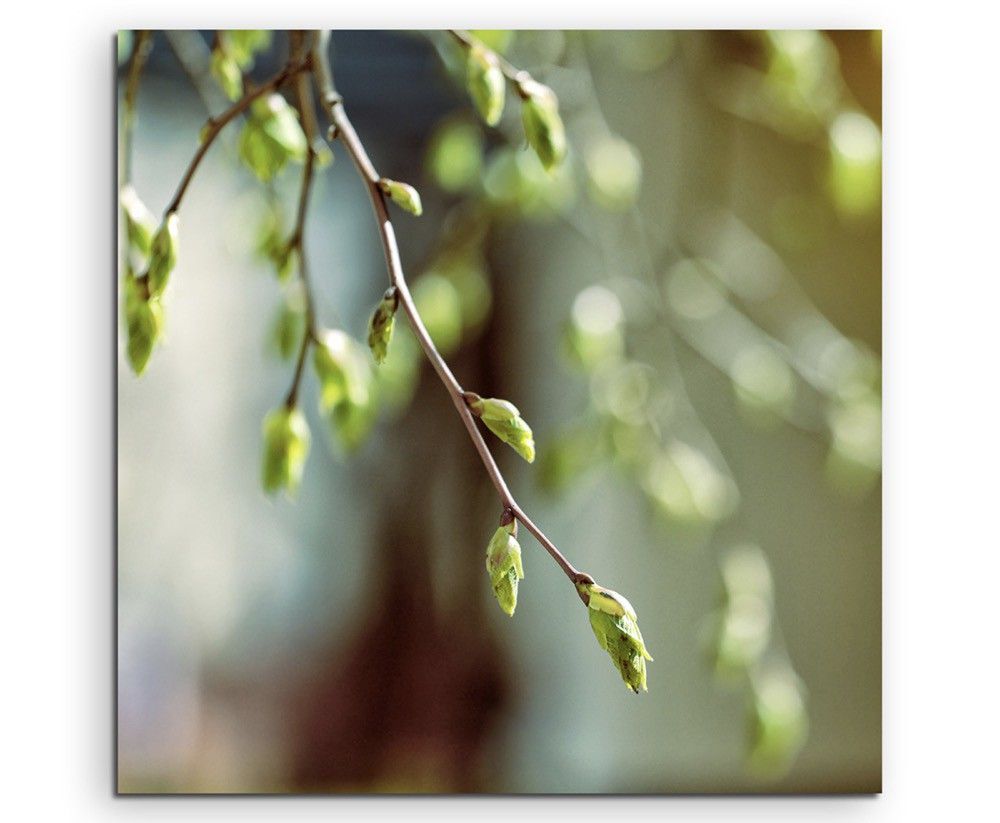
{"x":403,"y":195}
{"x":504,"y":420}
{"x":289,"y":325}
{"x":286,"y":446}
{"x":143,"y":323}
{"x":242,"y":45}
{"x":381,"y":325}
{"x":347,"y":387}
{"x":139,"y":221}
{"x":503,"y":564}
{"x":163,"y":255}
{"x":286,"y":261}
{"x":485,"y":82}
{"x":542,"y":124}
{"x":617,"y":630}
{"x":272,"y":137}
{"x":227,"y":74}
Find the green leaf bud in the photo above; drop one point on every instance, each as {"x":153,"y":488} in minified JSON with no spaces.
{"x":143,"y":323}
{"x":286,"y":446}
{"x":272,"y":137}
{"x":227,"y":74}
{"x":542,"y":124}
{"x":351,"y":423}
{"x":139,"y":221}
{"x":242,"y":45}
{"x":485,"y":82}
{"x":617,"y":630}
{"x":504,"y":420}
{"x":381,"y":325}
{"x":347,"y":387}
{"x":289,"y":324}
{"x":332,"y":362}
{"x":503,"y":564}
{"x":162,"y":255}
{"x":403,"y":195}
{"x":286,"y":261}
{"x":275,"y":246}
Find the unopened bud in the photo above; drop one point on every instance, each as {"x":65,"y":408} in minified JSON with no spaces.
{"x":381,"y":325}
{"x":286,"y":446}
{"x":139,"y":221}
{"x":143,"y":324}
{"x":617,"y":630}
{"x":485,"y":82}
{"x":504,"y":420}
{"x":503,"y":563}
{"x":227,"y":74}
{"x":403,"y":195}
{"x":271,"y":137}
{"x":162,"y":255}
{"x":542,"y":124}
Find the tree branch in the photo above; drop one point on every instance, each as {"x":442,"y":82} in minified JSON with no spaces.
{"x":342,"y":128}
{"x":140,"y":51}
{"x":217,"y":124}
{"x":307,"y":114}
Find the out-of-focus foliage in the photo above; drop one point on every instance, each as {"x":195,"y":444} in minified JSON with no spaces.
{"x":716,"y":294}
{"x":347,"y":387}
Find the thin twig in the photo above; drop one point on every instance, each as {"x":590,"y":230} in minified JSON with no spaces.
{"x":307,"y":114}
{"x":140,"y":51}
{"x":515,"y":76}
{"x":344,"y":130}
{"x":217,"y":124}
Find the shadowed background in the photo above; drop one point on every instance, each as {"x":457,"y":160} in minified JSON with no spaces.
{"x":348,"y":640}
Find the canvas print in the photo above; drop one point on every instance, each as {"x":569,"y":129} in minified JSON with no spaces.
{"x":498,"y":412}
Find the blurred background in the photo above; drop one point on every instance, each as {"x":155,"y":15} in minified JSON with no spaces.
{"x":688,"y":314}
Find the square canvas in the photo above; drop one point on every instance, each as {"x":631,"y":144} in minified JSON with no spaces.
{"x":499,"y":412}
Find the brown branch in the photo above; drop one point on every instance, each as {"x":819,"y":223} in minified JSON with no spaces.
{"x":140,"y":51}
{"x":217,"y":124}
{"x":342,"y":128}
{"x":307,"y":114}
